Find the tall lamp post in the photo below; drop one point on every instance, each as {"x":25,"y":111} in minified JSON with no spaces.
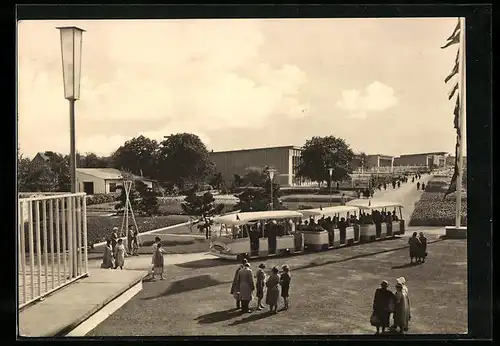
{"x":330,"y":171}
{"x":71,"y":50}
{"x":271,"y":177}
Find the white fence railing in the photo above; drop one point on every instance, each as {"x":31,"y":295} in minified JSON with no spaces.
{"x":52,"y":243}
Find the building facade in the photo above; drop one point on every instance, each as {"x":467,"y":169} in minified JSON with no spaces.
{"x":285,"y":160}
{"x":437,"y":159}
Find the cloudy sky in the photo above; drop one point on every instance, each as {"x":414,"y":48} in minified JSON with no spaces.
{"x":239,"y":84}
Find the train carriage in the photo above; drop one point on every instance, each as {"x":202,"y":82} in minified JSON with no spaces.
{"x":317,"y":238}
{"x":253,"y":234}
{"x":371,"y":231}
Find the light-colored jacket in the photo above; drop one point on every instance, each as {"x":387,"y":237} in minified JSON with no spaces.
{"x":246,"y":283}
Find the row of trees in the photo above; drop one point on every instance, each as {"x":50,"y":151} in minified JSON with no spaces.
{"x":183,"y":160}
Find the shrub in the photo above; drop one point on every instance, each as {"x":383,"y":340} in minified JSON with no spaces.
{"x":305,"y":207}
{"x":102,"y":198}
{"x":315,"y":198}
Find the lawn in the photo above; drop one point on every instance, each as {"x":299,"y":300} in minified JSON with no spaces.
{"x":331,"y":293}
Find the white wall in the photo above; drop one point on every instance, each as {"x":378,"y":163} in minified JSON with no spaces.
{"x":99,"y":185}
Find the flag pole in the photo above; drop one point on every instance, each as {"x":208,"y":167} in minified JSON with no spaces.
{"x":462,"y":124}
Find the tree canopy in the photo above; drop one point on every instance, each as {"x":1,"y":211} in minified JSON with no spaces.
{"x":138,"y":155}
{"x":321,"y":153}
{"x":184,"y":160}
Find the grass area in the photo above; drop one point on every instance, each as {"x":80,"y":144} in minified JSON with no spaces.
{"x":331,"y":293}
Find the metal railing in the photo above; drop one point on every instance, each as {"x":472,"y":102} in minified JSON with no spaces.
{"x":52,"y":243}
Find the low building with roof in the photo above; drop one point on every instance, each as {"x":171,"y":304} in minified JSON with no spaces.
{"x":103,"y":180}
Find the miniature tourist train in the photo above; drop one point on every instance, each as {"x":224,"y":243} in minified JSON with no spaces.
{"x":282,"y":232}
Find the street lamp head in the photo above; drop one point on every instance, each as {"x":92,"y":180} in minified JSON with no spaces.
{"x":71,"y":51}
{"x":271,"y":173}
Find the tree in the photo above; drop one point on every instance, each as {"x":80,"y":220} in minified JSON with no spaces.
{"x":258,"y":198}
{"x":237,"y":180}
{"x":184,"y":160}
{"x":255,"y":176}
{"x":148,"y":204}
{"x":203,"y":207}
{"x":363,"y":161}
{"x":139,"y":156}
{"x":91,"y":160}
{"x":321,"y":153}
{"x":217,"y":181}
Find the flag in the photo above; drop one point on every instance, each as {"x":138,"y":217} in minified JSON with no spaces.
{"x":455,"y":40}
{"x":456,"y":119}
{"x":453,"y":183}
{"x":454,"y":37}
{"x":453,"y":72}
{"x":452,"y":93}
{"x":454,"y":31}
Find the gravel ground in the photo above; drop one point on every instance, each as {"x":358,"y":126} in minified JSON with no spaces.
{"x":331,"y":293}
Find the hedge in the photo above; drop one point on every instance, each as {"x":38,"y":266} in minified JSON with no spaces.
{"x":315,"y":198}
{"x":102,"y":198}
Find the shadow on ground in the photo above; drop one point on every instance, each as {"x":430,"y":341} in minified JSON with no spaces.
{"x":189,"y":284}
{"x":251,"y":318}
{"x":218,"y":316}
{"x":406,"y":265}
{"x":206,"y":263}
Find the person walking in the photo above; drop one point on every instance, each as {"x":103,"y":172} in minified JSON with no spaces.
{"x":158,"y":262}
{"x":402,"y":315}
{"x":423,"y":247}
{"x":246,"y":286}
{"x":107,"y":258}
{"x":135,"y":244}
{"x":285,"y":286}
{"x":260,"y":284}
{"x":235,"y":285}
{"x":273,"y":291}
{"x":383,"y":305}
{"x":414,"y":243}
{"x":120,"y":254}
{"x":114,"y":238}
{"x":418,"y":185}
{"x":154,"y":247}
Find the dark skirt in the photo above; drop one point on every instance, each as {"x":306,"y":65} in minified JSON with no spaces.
{"x":383,"y":317}
{"x":260,"y":292}
{"x":284,"y":291}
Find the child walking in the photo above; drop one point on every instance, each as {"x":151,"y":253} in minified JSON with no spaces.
{"x":120,"y":254}
{"x":285,"y":279}
{"x":158,"y":262}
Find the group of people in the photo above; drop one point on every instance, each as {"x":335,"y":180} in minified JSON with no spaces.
{"x":244,"y":285}
{"x":396,"y":303}
{"x":418,"y":247}
{"x":115,"y":251}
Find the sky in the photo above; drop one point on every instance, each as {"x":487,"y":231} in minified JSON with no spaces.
{"x":241,"y":83}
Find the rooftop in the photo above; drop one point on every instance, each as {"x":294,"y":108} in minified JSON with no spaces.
{"x":432,"y":153}
{"x":106,"y":173}
{"x":254,"y":149}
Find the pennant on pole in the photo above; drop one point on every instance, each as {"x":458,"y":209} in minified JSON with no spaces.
{"x":452,"y":93}
{"x":453,"y":72}
{"x":456,"y":119}
{"x":453,"y":183}
{"x":457,"y":27}
{"x":455,"y":40}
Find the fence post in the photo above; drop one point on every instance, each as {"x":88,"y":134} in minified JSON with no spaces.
{"x":70,"y":236}
{"x":38,"y":246}
{"x":31,"y":248}
{"x":45,"y":247}
{"x":84,"y":217}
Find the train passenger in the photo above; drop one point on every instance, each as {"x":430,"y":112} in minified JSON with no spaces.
{"x":394,"y":216}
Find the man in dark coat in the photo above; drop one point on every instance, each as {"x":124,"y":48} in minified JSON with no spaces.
{"x":383,"y":304}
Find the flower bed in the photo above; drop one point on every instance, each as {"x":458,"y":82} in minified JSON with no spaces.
{"x":433,"y":209}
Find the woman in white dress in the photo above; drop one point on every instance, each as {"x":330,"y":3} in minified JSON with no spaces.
{"x":120,"y":254}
